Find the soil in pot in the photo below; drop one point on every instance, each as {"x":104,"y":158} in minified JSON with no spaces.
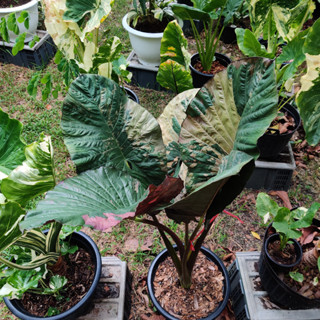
{"x":285,"y":256}
{"x":12,"y":3}
{"x":216,"y":67}
{"x":200,"y":300}
{"x":80,"y":272}
{"x":151,"y":25}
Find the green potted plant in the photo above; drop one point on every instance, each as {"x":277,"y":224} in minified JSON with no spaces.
{"x":33,"y":263}
{"x":145,"y":24}
{"x":280,"y":29}
{"x":80,"y":49}
{"x":141,"y":166}
{"x":275,"y":259}
{"x":207,"y":60}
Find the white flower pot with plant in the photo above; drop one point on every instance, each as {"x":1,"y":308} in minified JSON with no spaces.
{"x":24,"y":19}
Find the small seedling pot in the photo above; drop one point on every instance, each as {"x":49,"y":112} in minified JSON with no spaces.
{"x":270,"y":145}
{"x":199,"y":78}
{"x":212,"y":257}
{"x":279,"y":266}
{"x":83,"y":241}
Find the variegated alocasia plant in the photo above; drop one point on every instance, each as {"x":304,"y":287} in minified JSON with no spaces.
{"x":280,"y":23}
{"x":25,"y":172}
{"x":74,"y":27}
{"x":195,"y":159}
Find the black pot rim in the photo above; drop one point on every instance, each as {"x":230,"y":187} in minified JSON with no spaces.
{"x":227,"y":287}
{"x":219,"y":56}
{"x":296,"y":115}
{"x":11,"y":304}
{"x":297,"y":247}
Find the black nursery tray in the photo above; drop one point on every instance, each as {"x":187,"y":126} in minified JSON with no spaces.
{"x":273,"y":174}
{"x":38,"y":56}
{"x":250,"y":301}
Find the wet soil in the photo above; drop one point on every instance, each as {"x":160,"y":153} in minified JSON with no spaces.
{"x":215,"y":67}
{"x":286,"y":256}
{"x":151,"y":25}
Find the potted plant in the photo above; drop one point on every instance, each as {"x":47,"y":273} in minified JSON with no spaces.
{"x":36,"y":265}
{"x":288,"y":225}
{"x":192,"y":178}
{"x":145,"y":24}
{"x":80,"y":50}
{"x":280,"y":28}
{"x":206,"y":62}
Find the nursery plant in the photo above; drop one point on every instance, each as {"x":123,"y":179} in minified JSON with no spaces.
{"x":210,"y":13}
{"x":288,"y":223}
{"x":150,"y":12}
{"x":32,"y":261}
{"x":74,"y":28}
{"x":192,"y":162}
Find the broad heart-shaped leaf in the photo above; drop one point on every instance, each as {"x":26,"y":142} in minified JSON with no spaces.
{"x":185,"y":12}
{"x":94,"y":193}
{"x":11,"y":146}
{"x":249,"y":45}
{"x":266,"y":207}
{"x":293,"y":53}
{"x":230,"y":112}
{"x":205,"y":198}
{"x":35,"y":176}
{"x":97,"y":10}
{"x":102,"y":126}
{"x":173,"y":76}
{"x":308,"y":100}
{"x":10,"y":215}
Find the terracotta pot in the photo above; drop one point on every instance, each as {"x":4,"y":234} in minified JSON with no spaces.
{"x":81,"y":240}
{"x":32,"y":8}
{"x":212,"y":257}
{"x":199,"y":78}
{"x":270,"y":145}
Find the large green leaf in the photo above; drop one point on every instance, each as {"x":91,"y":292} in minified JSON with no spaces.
{"x":232,"y":6}
{"x":250,"y":46}
{"x":96,"y":193}
{"x":10,"y":215}
{"x":185,"y":12}
{"x":256,"y":98}
{"x":308,"y":100}
{"x":294,"y":54}
{"x":101,"y":125}
{"x":35,"y":176}
{"x":12,"y":146}
{"x":97,"y":10}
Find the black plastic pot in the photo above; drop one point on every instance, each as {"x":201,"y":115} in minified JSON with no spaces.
{"x":131,"y":95}
{"x":199,"y":78}
{"x":276,"y":265}
{"x":228,"y":35}
{"x":278,"y":291}
{"x":81,"y":240}
{"x":270,"y":145}
{"x":212,"y":257}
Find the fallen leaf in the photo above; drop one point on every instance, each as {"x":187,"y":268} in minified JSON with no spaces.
{"x":308,"y":234}
{"x":283,"y":195}
{"x":256,"y":235}
{"x":132,"y":245}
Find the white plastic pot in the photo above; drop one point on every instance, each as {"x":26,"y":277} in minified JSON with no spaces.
{"x":32,"y":8}
{"x":146,"y":45}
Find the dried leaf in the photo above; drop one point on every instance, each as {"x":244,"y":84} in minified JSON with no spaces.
{"x":256,"y":235}
{"x":283,"y":195}
{"x":308,"y":234}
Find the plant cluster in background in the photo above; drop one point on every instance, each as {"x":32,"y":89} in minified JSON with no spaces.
{"x":74,"y":28}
